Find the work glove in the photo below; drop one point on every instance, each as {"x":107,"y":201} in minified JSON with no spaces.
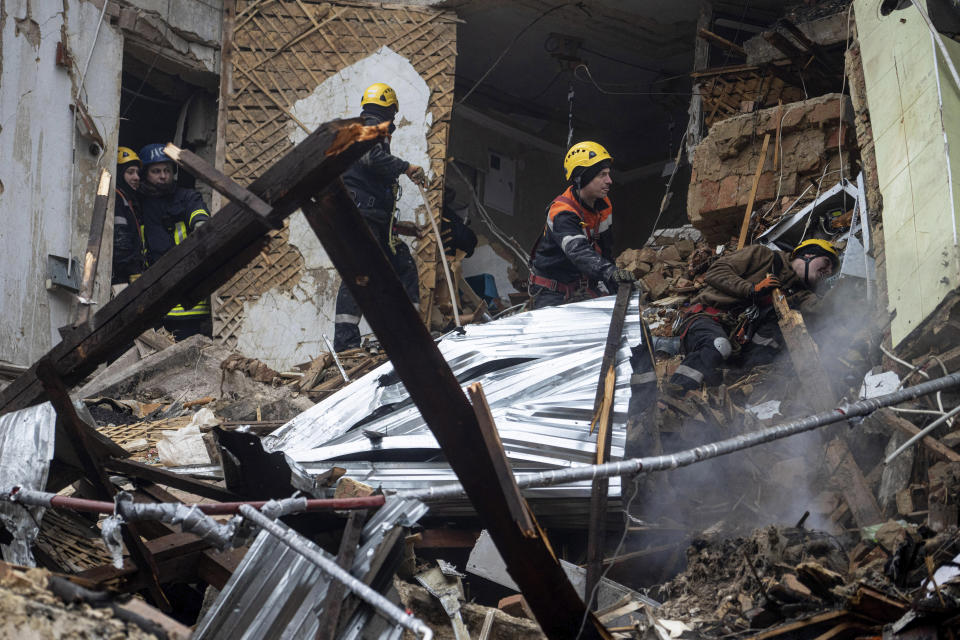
{"x":766,"y":285}
{"x":620,"y":276}
{"x":416,"y":174}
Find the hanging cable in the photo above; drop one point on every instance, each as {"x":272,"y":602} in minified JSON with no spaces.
{"x":570,"y":96}
{"x":608,"y":92}
{"x":509,"y":46}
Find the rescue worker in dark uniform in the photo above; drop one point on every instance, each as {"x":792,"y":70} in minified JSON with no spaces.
{"x":127,"y":246}
{"x":454,"y":232}
{"x":168,"y":214}
{"x":574,"y":254}
{"x":372,"y":183}
{"x":735,"y":309}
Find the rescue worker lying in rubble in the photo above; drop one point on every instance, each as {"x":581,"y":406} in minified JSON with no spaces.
{"x":372,"y":183}
{"x":734,"y":312}
{"x":572,"y":259}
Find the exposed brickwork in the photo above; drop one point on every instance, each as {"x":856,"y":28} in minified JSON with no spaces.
{"x":725,"y":161}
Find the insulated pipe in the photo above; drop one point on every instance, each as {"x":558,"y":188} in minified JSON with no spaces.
{"x":634,"y":466}
{"x":296,"y":542}
{"x":44,"y":499}
{"x":443,"y":258}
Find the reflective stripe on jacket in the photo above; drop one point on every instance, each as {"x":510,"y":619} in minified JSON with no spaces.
{"x":577,"y":241}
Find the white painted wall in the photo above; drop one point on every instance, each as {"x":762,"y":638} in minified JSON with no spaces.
{"x":307,"y":310}
{"x":35,"y":137}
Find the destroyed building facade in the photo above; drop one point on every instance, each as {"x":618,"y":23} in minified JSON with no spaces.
{"x":731,"y":123}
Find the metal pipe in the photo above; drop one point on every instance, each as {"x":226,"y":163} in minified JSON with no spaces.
{"x":44,"y":499}
{"x":443,"y":257}
{"x":923,"y":432}
{"x":336,"y":360}
{"x":296,"y":542}
{"x":634,"y":466}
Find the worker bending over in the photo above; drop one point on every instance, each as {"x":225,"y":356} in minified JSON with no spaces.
{"x":169,"y":213}
{"x":734,"y":312}
{"x":573,"y":256}
{"x":372,"y":183}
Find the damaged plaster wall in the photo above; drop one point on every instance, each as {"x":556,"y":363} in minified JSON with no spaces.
{"x":36,"y":125}
{"x":915,"y":115}
{"x":308,"y":307}
{"x":188,"y":32}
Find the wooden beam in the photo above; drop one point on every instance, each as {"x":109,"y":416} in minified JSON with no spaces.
{"x":817,"y":392}
{"x":745,"y":225}
{"x":221,"y":183}
{"x":77,"y":433}
{"x":437,"y":394}
{"x":159,"y":475}
{"x":205,"y":260}
{"x":597,"y":526}
{"x":722,"y":42}
{"x":337,"y":590}
{"x":92,"y":257}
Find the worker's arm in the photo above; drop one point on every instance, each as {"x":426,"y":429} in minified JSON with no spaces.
{"x":725,"y":274}
{"x":579,"y":249}
{"x":381,"y":162}
{"x":605,"y":239}
{"x":196,"y":211}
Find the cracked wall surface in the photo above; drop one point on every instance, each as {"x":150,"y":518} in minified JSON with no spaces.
{"x":36,"y":126}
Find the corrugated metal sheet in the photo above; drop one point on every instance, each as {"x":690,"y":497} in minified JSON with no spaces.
{"x":276,"y":593}
{"x":539,"y":371}
{"x":26,"y":448}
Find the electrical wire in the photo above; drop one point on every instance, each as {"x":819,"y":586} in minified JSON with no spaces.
{"x":590,"y":79}
{"x":623,"y":62}
{"x":512,"y":42}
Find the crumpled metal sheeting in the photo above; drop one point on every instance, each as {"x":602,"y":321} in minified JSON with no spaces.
{"x":276,"y":593}
{"x":26,"y":449}
{"x":542,"y":334}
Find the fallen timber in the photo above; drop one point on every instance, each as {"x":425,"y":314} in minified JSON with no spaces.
{"x":207,"y":258}
{"x":437,"y":394}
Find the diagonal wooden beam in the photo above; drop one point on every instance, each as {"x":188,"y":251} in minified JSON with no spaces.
{"x":443,"y":405}
{"x":203,"y":262}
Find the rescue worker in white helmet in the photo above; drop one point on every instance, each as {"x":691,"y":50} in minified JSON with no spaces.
{"x":127,"y":246}
{"x":169,"y":213}
{"x":572,"y":258}
{"x":372,"y":183}
{"x":734,"y":312}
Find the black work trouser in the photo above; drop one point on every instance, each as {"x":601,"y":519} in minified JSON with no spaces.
{"x":707,"y":347}
{"x":541,"y":297}
{"x":346,"y":332}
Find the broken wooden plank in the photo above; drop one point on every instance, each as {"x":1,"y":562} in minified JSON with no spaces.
{"x":597,"y":525}
{"x":337,"y":590}
{"x":92,"y":256}
{"x":160,"y":475}
{"x":221,"y":183}
{"x":76,"y":430}
{"x":745,"y":225}
{"x":891,"y":420}
{"x":815,"y":385}
{"x":516,"y":505}
{"x":204,"y":261}
{"x":722,"y":42}
{"x":437,"y":394}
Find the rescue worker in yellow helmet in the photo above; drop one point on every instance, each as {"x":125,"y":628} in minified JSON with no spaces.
{"x":127,"y":246}
{"x":373,"y":184}
{"x":170,"y":213}
{"x":734,"y":312}
{"x":572,"y":259}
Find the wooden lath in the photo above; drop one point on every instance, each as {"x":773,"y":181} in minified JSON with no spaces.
{"x":284,"y":49}
{"x":723,"y":93}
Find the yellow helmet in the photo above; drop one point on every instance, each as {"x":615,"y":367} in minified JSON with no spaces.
{"x":126,"y":155}
{"x":819,"y":247}
{"x":381,"y":94}
{"x":584,"y":154}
